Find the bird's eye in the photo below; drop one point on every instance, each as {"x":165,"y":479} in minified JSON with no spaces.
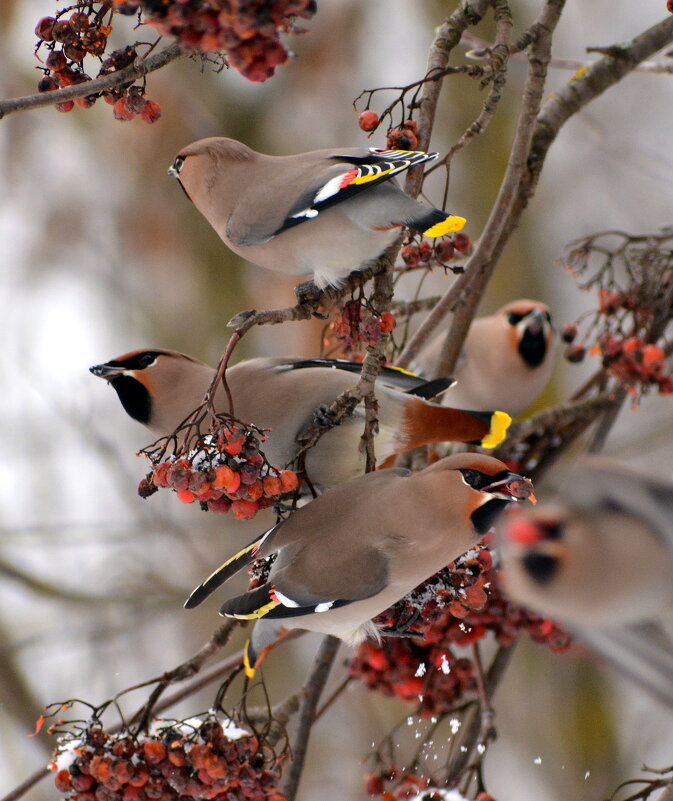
{"x":552,"y":531}
{"x":146,"y":360}
{"x":514,"y":317}
{"x":472,"y":477}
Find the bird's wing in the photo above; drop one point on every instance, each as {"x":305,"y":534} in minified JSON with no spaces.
{"x":350,"y":175}
{"x":391,"y":376}
{"x":643,"y":652}
{"x":292,"y":592}
{"x":233,"y":565}
{"x":598,"y":484}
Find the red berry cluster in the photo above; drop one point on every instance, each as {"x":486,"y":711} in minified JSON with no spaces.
{"x":225,"y":470}
{"x":456,"y":607}
{"x":392,"y":784}
{"x":180,"y":762}
{"x":441,"y":252}
{"x":404,"y":137}
{"x":247,"y":30}
{"x":69,"y":40}
{"x":359,"y":324}
{"x":632,"y":361}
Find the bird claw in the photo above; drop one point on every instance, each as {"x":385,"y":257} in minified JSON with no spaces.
{"x":402,"y":629}
{"x":307,"y":293}
{"x":324,"y":417}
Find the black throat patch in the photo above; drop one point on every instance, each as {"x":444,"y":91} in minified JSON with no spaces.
{"x":134,"y":397}
{"x":533,"y":348}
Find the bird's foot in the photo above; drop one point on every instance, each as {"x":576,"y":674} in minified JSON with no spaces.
{"x":401,"y":628}
{"x":308,"y":294}
{"x":324,"y":417}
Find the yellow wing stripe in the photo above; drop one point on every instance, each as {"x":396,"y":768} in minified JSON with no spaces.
{"x":399,"y":370}
{"x":263,"y":610}
{"x":450,"y":225}
{"x":500,"y":422}
{"x":229,"y":561}
{"x":247,"y":667}
{"x":374,"y":176}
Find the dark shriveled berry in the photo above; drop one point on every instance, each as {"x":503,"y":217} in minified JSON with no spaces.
{"x":45,"y":29}
{"x":46,"y":84}
{"x":63,"y":31}
{"x":56,"y":60}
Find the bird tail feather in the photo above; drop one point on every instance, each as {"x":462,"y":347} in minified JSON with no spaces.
{"x":428,"y":423}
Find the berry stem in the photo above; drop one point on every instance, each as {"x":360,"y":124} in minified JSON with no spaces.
{"x":140,"y":67}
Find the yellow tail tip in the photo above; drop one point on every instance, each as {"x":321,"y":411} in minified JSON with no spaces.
{"x":247,"y":667}
{"x":500,"y":422}
{"x":450,"y":225}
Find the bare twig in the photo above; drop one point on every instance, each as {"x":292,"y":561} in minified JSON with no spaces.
{"x":345,"y":404}
{"x":140,"y":67}
{"x":183,"y":671}
{"x":499,"y":56}
{"x":312,"y":692}
{"x":505,"y":211}
{"x":444,"y":306}
{"x":578,"y":93}
{"x":472,"y":734}
{"x":447,"y":37}
{"x":481,"y":49}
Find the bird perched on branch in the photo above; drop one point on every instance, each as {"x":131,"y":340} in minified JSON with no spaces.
{"x":506,"y":361}
{"x":599,"y":558}
{"x":326,"y":212}
{"x":361,"y":547}
{"x":160,"y":388}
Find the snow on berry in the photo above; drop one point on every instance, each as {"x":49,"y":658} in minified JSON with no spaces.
{"x":454,"y":608}
{"x":198,"y":758}
{"x":224,"y":470}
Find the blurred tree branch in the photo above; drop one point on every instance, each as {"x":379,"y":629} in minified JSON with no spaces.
{"x":139,"y":68}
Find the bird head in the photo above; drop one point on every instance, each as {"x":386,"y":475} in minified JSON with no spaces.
{"x":196,"y":163}
{"x":530,"y":327}
{"x":493,"y":486}
{"x":538,"y":540}
{"x":156,"y":387}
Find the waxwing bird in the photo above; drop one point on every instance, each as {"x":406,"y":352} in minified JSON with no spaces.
{"x":599,"y":558}
{"x":326,"y":212}
{"x":160,"y":388}
{"x":506,"y":362}
{"x":362,"y":546}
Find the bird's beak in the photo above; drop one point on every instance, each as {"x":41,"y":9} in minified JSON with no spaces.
{"x":536,"y":321}
{"x":512,"y":487}
{"x":176,"y":166}
{"x":107,"y":371}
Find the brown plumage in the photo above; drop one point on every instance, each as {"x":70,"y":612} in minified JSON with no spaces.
{"x":599,"y":558}
{"x":325,"y":212}
{"x":356,"y":550}
{"x":506,"y":362}
{"x":160,"y":388}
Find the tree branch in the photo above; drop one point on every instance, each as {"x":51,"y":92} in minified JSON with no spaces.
{"x":472,"y":735}
{"x":505,"y":212}
{"x":140,"y":67}
{"x":579,"y":92}
{"x":447,"y":37}
{"x":312,"y":692}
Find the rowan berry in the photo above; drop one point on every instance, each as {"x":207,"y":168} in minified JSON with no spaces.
{"x":45,"y":29}
{"x":461,"y":242}
{"x":368,"y":120}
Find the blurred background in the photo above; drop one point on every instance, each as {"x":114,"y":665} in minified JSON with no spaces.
{"x":102,"y":253}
